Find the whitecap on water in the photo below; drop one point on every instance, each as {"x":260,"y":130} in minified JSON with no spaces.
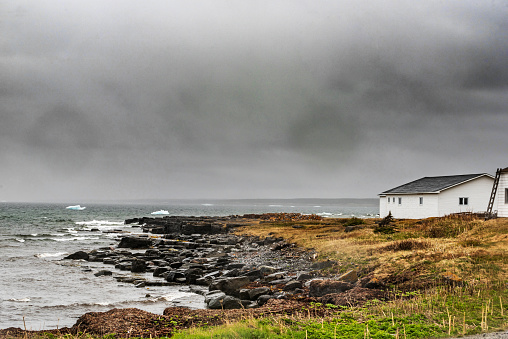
{"x":75,"y":238}
{"x":20,"y":240}
{"x":22,"y":300}
{"x":100,"y":223}
{"x":49,"y":255}
{"x":160,"y":212}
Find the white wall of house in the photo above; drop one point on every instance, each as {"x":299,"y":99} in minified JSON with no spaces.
{"x":502,"y":206}
{"x":409,"y":206}
{"x":383,"y":212}
{"x":476,"y":191}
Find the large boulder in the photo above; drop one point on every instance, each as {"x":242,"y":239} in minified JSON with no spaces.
{"x":227,"y":302}
{"x":230,"y":286}
{"x":78,"y":255}
{"x":135,"y":242}
{"x":319,"y":288}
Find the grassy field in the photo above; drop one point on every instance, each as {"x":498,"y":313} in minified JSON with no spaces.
{"x":447,"y":277}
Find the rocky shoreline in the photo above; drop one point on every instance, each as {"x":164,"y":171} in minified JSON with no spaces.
{"x":244,"y":274}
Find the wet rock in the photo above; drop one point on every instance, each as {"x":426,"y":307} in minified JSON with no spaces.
{"x":135,"y":242}
{"x":319,"y":288}
{"x":174,"y":276}
{"x":79,"y":255}
{"x":159,"y":271}
{"x":192,"y":274}
{"x":138,"y":266}
{"x":103,"y":272}
{"x":176,"y":264}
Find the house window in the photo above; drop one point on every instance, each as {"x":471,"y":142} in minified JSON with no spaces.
{"x":400,"y":201}
{"x":463,"y":201}
{"x":421,"y":200}
{"x":506,"y":195}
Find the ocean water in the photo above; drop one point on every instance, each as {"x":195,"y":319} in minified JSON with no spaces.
{"x":40,"y":291}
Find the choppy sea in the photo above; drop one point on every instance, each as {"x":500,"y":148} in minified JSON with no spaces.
{"x":38,"y":290}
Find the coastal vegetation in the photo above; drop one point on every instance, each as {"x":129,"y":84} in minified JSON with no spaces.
{"x":444,"y":277}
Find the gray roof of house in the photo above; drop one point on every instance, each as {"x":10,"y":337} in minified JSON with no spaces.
{"x":433,"y":184}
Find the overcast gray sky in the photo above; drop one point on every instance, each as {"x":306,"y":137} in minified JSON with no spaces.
{"x":248,"y":98}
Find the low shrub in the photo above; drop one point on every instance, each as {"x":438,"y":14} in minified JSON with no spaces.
{"x":354,"y":221}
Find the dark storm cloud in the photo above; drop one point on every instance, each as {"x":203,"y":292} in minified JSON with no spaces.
{"x":247,"y":98}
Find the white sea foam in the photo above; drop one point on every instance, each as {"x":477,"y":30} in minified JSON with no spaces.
{"x":160,"y":212}
{"x":100,"y":223}
{"x":22,"y":300}
{"x":75,"y":239}
{"x":20,"y":240}
{"x":329,"y":215}
{"x":103,"y":303}
{"x":49,"y":255}
{"x":274,"y":205}
{"x":34,"y":234}
{"x":175,"y":295}
{"x":206,"y":204}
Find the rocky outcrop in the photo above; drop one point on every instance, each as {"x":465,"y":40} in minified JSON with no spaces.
{"x":237,"y":271}
{"x":135,"y":242}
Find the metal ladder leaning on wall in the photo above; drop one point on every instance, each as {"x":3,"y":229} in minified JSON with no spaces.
{"x":488,"y":215}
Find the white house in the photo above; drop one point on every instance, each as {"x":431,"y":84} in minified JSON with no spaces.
{"x":502,"y":194}
{"x":440,"y":196}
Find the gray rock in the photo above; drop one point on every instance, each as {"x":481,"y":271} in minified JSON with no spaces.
{"x":275,"y":276}
{"x":135,"y":242}
{"x":78,"y":255}
{"x":280,"y":281}
{"x":256,"y":292}
{"x":138,"y":266}
{"x":213,"y":295}
{"x":262,"y":299}
{"x":230,"y":286}
{"x":304,"y":276}
{"x":159,"y":271}
{"x":103,"y":272}
{"x":227,"y":302}
{"x":292,"y":285}
{"x":253,"y":275}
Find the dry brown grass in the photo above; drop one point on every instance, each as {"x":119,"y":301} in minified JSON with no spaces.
{"x":420,"y":250}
